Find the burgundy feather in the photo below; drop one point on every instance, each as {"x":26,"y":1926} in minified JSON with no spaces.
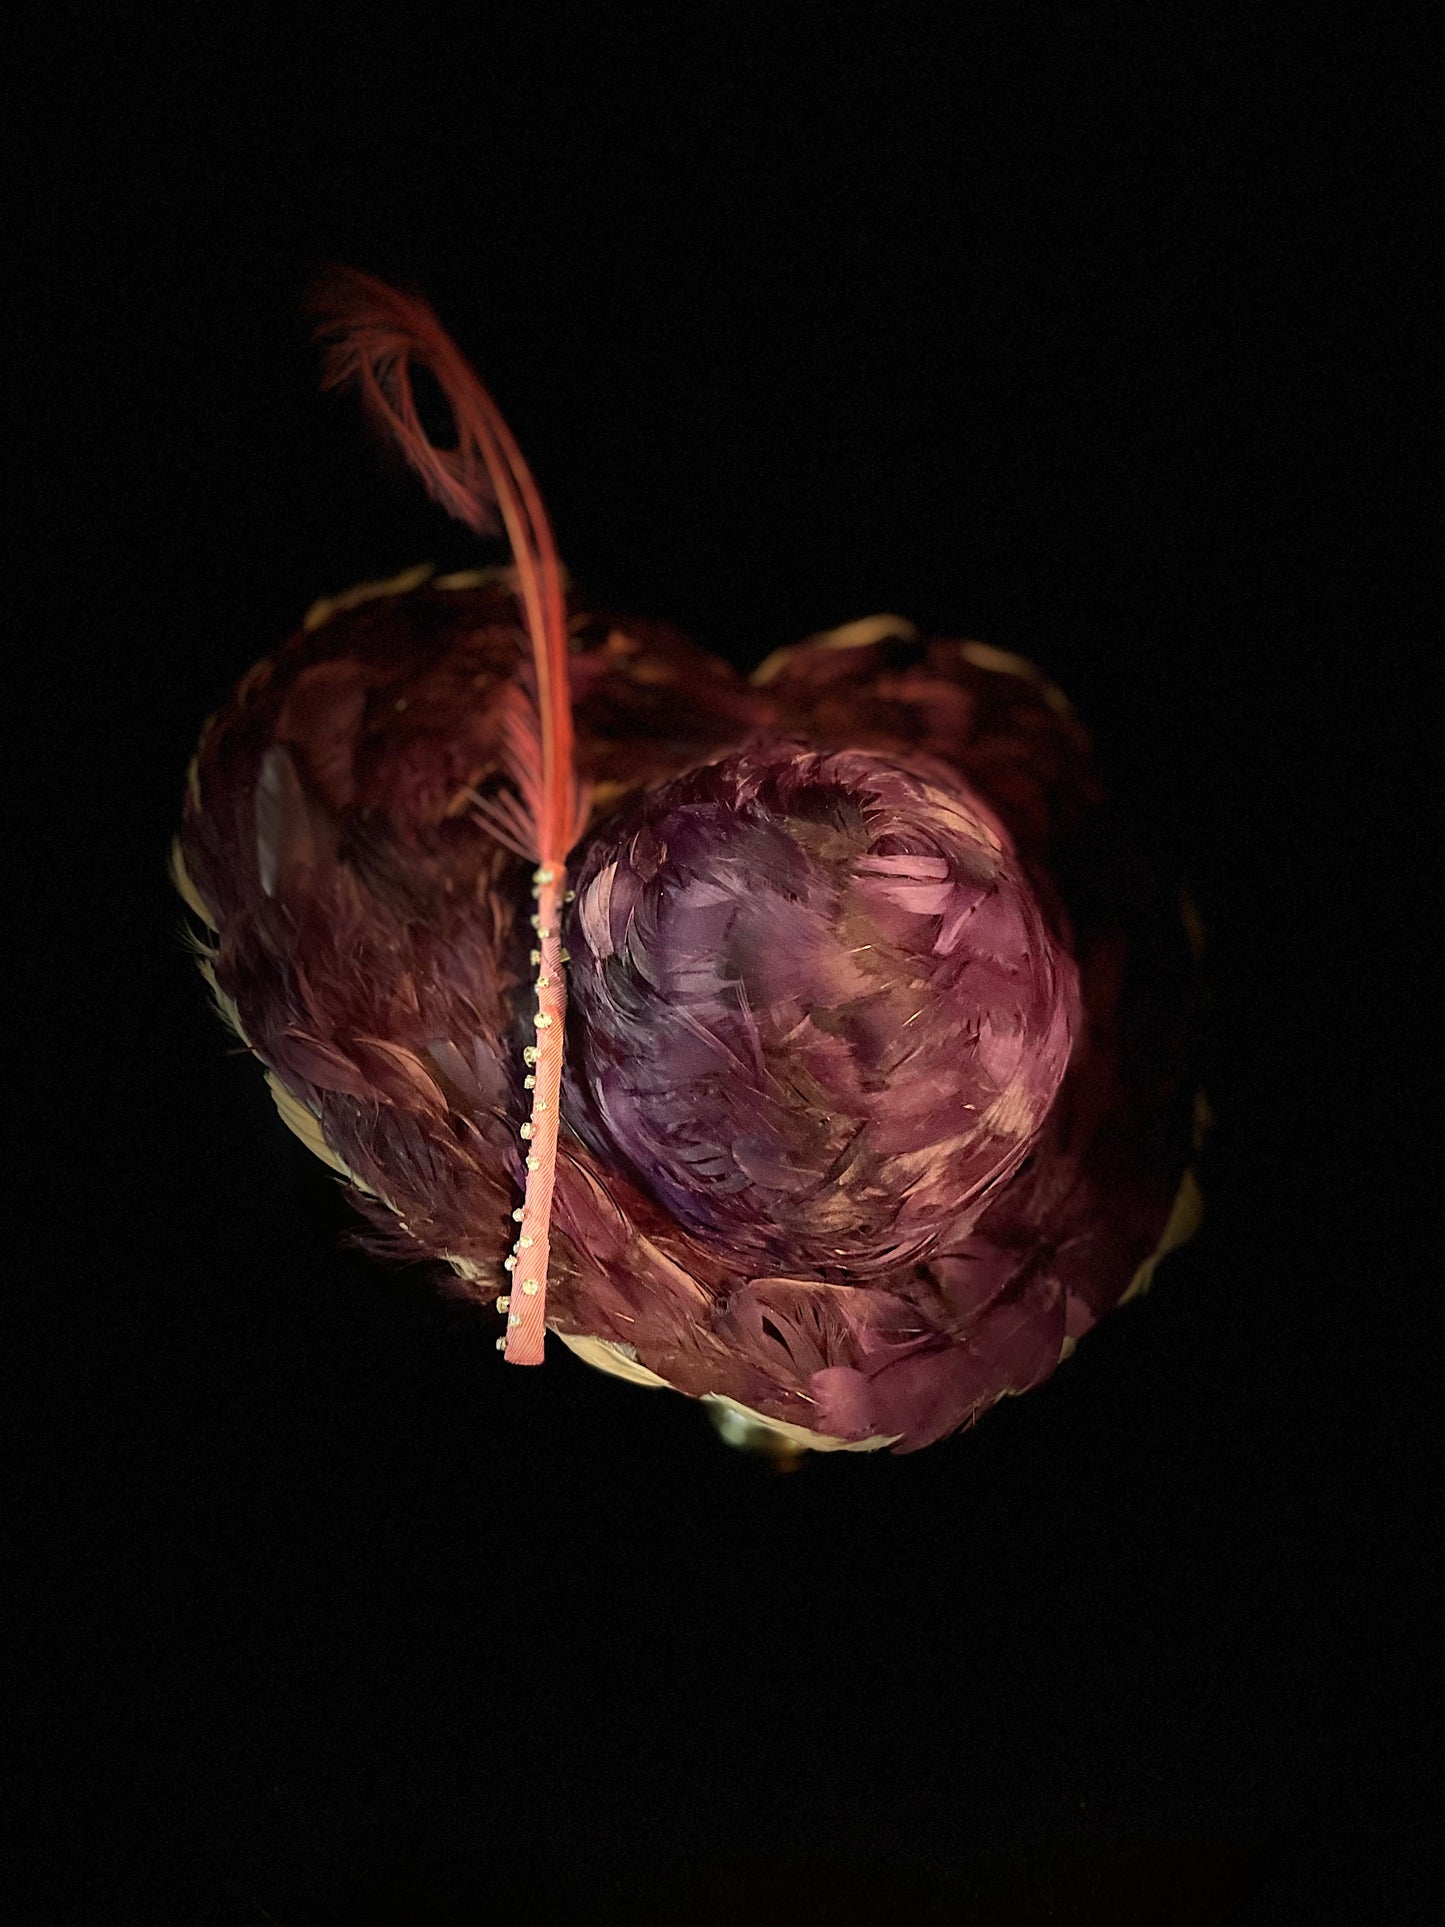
{"x":878,"y":1084}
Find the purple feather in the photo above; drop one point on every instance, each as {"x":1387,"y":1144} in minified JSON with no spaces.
{"x":878,"y":1086}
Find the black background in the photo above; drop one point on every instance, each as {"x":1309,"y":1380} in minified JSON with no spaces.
{"x":1087,"y":337}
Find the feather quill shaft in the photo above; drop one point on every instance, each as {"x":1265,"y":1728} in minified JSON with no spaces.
{"x":372,"y":335}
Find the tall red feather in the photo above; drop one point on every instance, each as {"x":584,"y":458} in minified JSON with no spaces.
{"x":373,"y":334}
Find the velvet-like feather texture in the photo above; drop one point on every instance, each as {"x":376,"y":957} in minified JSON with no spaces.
{"x":818,"y":1010}
{"x":751,"y":1200}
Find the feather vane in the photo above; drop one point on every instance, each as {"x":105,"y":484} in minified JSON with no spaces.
{"x":373,"y":335}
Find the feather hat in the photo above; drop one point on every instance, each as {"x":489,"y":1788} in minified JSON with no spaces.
{"x":817,"y":1044}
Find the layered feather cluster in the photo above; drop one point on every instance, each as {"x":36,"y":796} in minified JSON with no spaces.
{"x":818,"y":1011}
{"x":877,"y":1083}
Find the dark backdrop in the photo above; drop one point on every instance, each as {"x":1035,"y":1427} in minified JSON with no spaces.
{"x":1084,"y":338}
